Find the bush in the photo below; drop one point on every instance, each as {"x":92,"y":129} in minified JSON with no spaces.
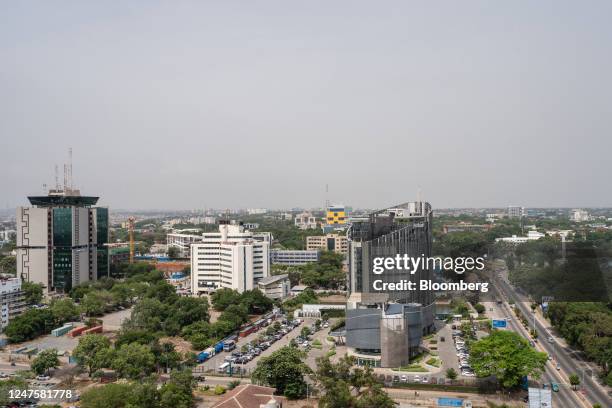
{"x":219,"y":390}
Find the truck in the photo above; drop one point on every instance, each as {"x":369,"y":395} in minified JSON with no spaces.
{"x":229,"y":345}
{"x":206,"y":354}
{"x":219,"y":347}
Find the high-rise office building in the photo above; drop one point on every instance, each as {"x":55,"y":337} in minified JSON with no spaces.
{"x":61,"y":240}
{"x":232,"y":258}
{"x":385,"y":327}
{"x":515,"y":211}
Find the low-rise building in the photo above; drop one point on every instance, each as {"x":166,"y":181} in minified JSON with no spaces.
{"x":465,"y":227}
{"x":250,"y":396}
{"x":293,"y":257}
{"x":12,"y":300}
{"x":305,"y":221}
{"x":330,"y":242}
{"x":275,"y":287}
{"x":531,"y":236}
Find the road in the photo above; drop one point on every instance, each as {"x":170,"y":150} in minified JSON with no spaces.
{"x":566,"y":397}
{"x":593,"y":392}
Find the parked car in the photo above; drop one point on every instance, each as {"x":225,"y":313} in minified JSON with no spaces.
{"x":404,"y":378}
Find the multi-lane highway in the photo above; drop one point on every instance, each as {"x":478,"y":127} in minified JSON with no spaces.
{"x":566,"y":397}
{"x":593,"y":392}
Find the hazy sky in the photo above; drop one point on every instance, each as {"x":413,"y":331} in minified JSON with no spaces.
{"x":183,"y":105}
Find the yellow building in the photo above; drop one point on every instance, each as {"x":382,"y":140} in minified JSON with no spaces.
{"x":336,"y":215}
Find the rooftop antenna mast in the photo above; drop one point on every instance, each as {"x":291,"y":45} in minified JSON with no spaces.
{"x":326,"y":196}
{"x":70,"y":166}
{"x":57,"y":185}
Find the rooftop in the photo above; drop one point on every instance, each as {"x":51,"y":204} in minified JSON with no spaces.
{"x":271,"y":279}
{"x":248,"y":396}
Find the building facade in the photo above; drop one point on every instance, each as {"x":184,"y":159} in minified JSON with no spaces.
{"x":275,"y":287}
{"x":12,"y":300}
{"x":293,"y":257}
{"x":336,"y":215}
{"x":61,"y":240}
{"x":385,"y":327}
{"x":329,"y":242}
{"x":515,"y":211}
{"x":305,"y":221}
{"x":232,"y":258}
{"x":182,"y":242}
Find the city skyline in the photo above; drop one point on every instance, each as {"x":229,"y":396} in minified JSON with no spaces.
{"x":219,"y":105}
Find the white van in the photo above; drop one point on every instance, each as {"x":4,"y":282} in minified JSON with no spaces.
{"x":223,"y":367}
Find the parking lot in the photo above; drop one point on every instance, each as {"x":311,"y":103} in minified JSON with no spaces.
{"x":218,"y":359}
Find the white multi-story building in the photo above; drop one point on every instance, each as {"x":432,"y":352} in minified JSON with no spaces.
{"x":515,"y":211}
{"x":531,"y":236}
{"x":257,"y":211}
{"x":579,"y":215}
{"x":305,"y":220}
{"x":12,"y":300}
{"x":232,"y":258}
{"x":182,"y":242}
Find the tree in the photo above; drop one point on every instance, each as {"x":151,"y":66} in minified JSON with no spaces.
{"x":173,"y":252}
{"x":93,"y":352}
{"x":225,"y":297}
{"x":479,"y":308}
{"x":133,"y":361}
{"x":33,"y":292}
{"x":95,"y":303}
{"x":178,"y":391}
{"x":45,"y":360}
{"x":574,"y":380}
{"x":107,"y":396}
{"x":29,"y":325}
{"x":451,"y":374}
{"x":345,"y":386}
{"x":305,"y":332}
{"x":8,"y":265}
{"x":64,"y":310}
{"x":508,"y":356}
{"x":283,"y":370}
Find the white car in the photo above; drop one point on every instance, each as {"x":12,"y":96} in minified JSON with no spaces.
{"x":404,"y":378}
{"x":43,"y":378}
{"x":468,"y":374}
{"x":417,"y":378}
{"x":425,"y":380}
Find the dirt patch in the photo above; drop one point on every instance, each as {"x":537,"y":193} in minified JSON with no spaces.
{"x":180,"y":345}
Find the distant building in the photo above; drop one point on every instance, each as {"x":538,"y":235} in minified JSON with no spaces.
{"x":257,"y":211}
{"x":61,"y":240}
{"x":275,"y":287}
{"x":305,"y":221}
{"x":6,"y":235}
{"x":579,"y":215}
{"x":251,"y":225}
{"x":293,"y":257}
{"x":464,"y":227}
{"x":336,"y":215}
{"x":516,"y":211}
{"x":330,"y":242}
{"x":232,"y":258}
{"x":12,"y":300}
{"x":531,"y":236}
{"x":182,"y":242}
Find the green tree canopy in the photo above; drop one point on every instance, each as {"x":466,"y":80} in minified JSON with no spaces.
{"x":507,"y":356}
{"x":283,"y":370}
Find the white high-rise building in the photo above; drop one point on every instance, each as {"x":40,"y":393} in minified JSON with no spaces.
{"x":580,"y":215}
{"x":232,"y":258}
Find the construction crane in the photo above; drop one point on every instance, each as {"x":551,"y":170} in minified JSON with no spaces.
{"x":131,"y":235}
